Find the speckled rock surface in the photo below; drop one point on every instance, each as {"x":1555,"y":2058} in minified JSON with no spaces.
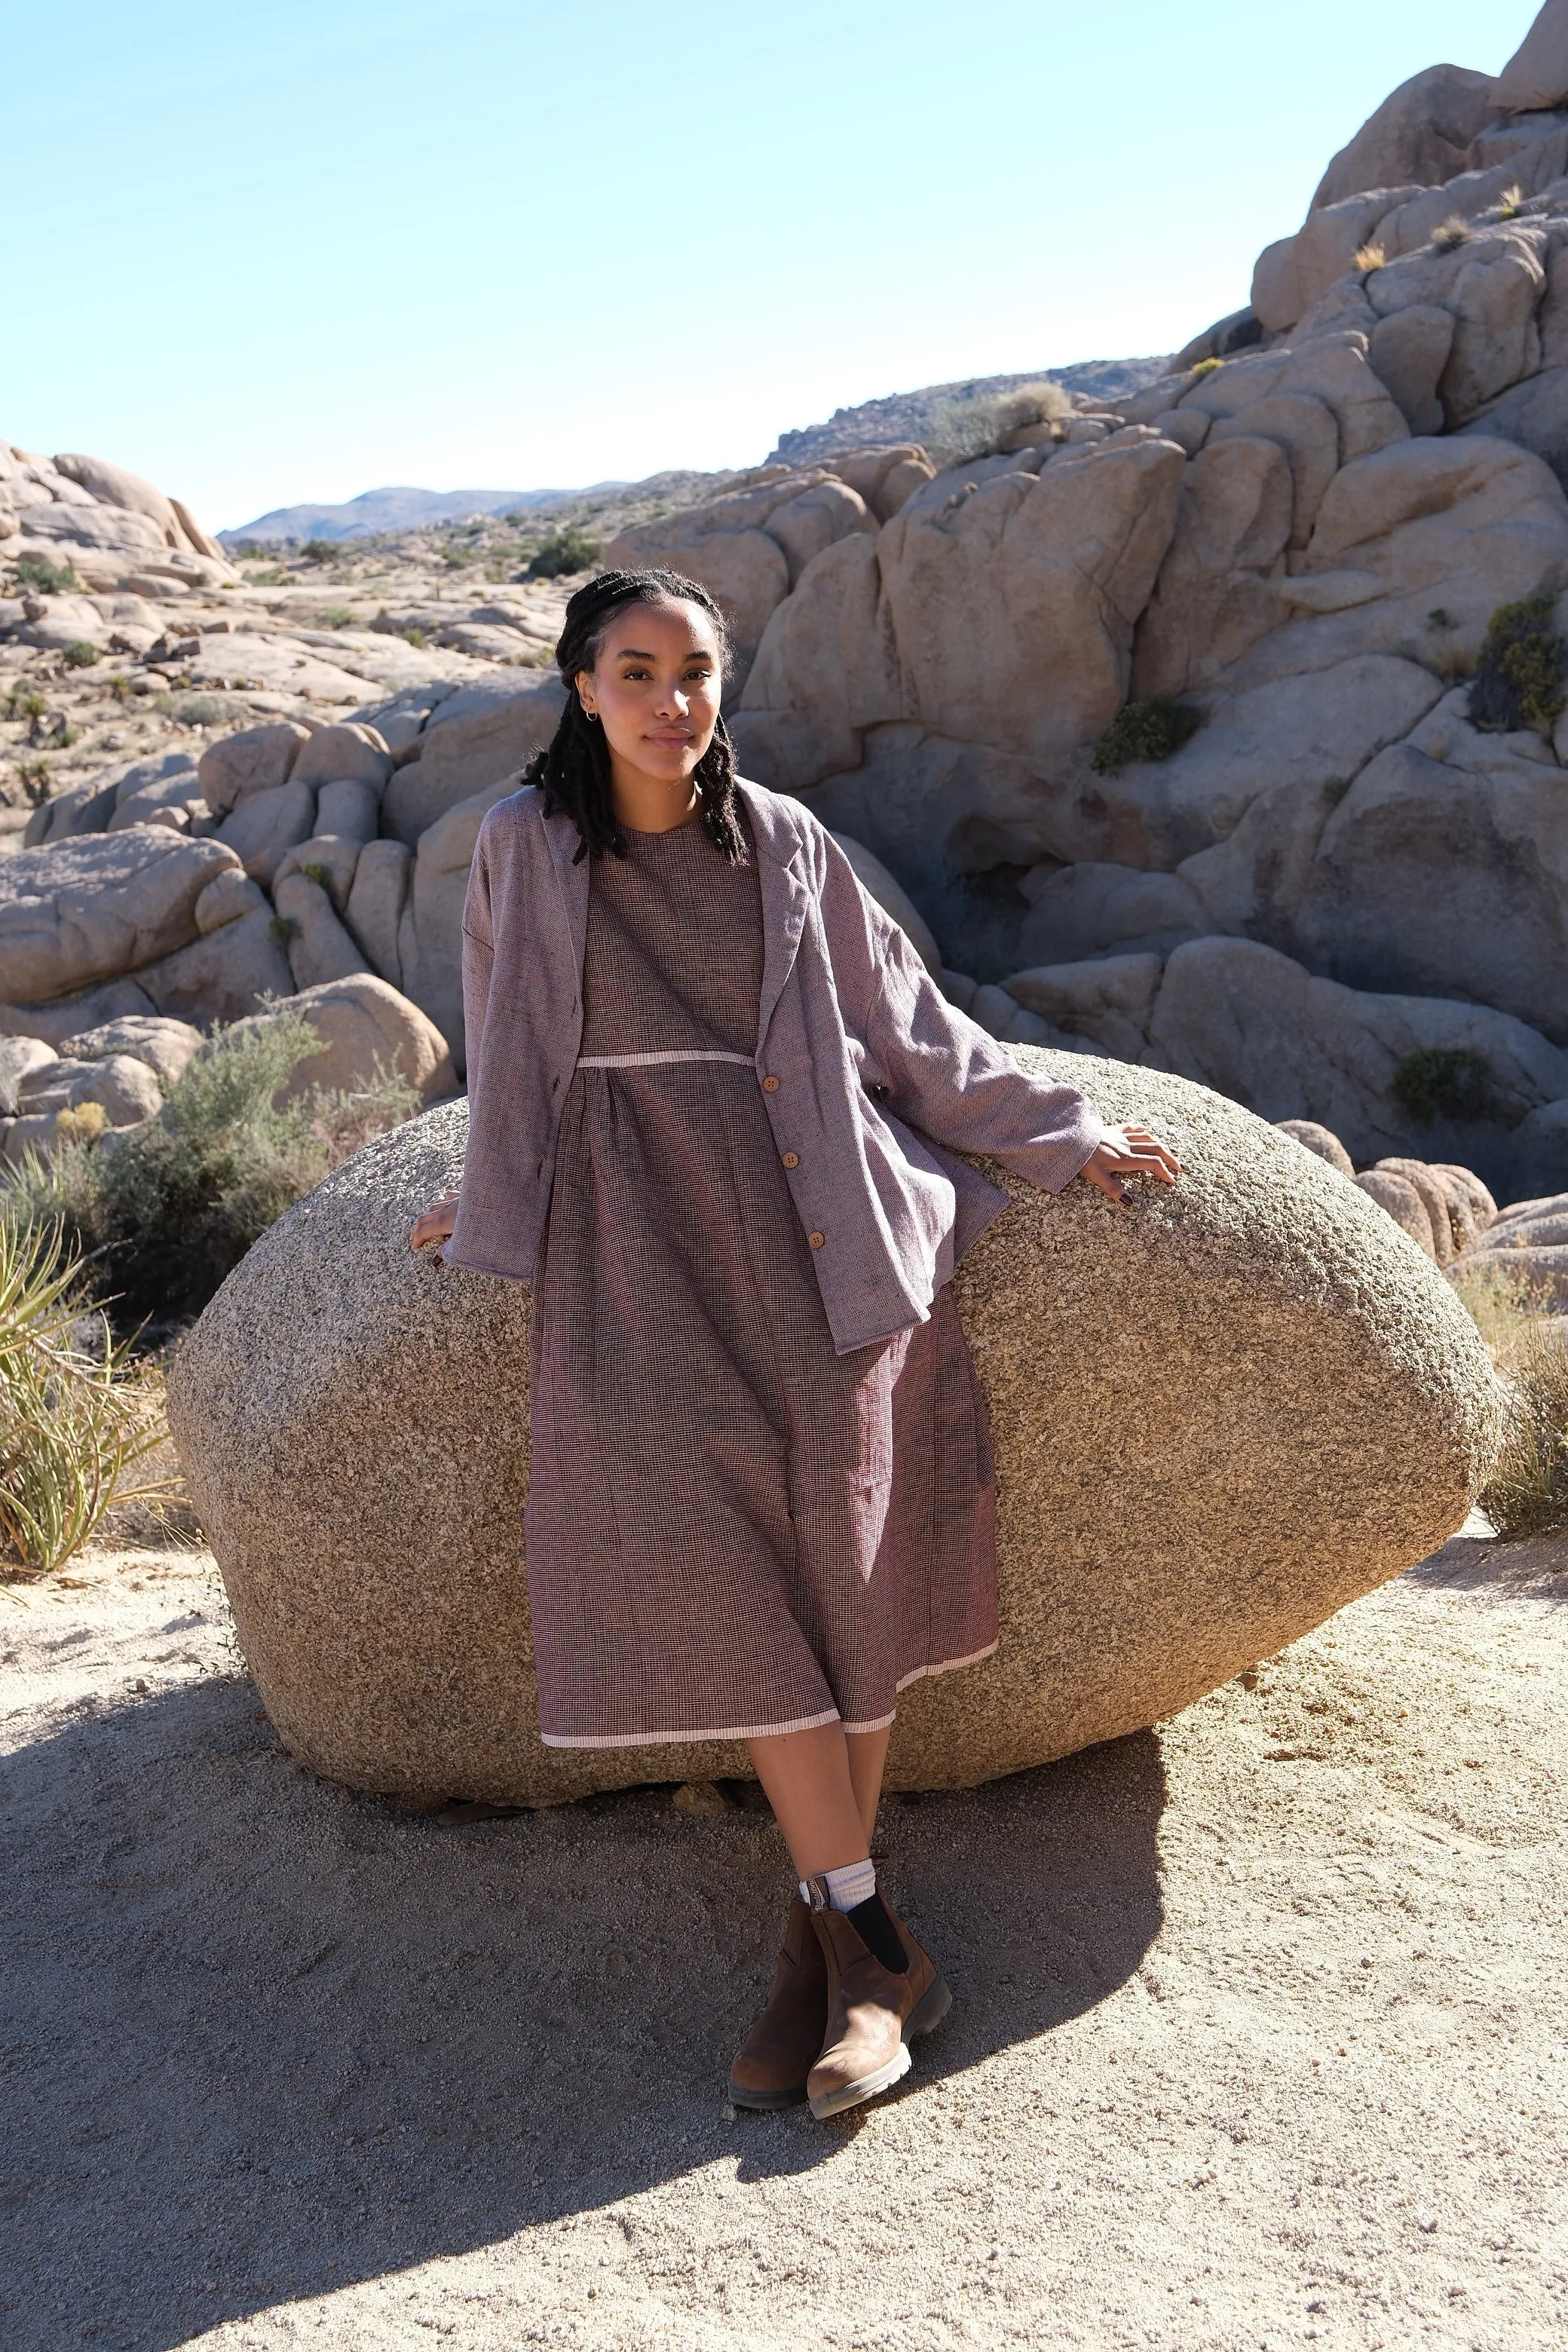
{"x":1218,"y":1417}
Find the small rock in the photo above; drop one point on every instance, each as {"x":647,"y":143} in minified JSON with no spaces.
{"x":700,"y":1797}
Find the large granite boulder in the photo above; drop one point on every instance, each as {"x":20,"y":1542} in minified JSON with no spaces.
{"x":93,"y":907}
{"x":1218,"y":1418}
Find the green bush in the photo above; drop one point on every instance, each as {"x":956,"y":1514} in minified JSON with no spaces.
{"x":319,"y":551}
{"x":1144,"y":730}
{"x":82,"y":656}
{"x":1443,"y":1082}
{"x":571,"y":549}
{"x":72,"y":1424}
{"x":1520,"y":681}
{"x":1333,"y":789}
{"x":193,"y":707}
{"x":52,"y":579}
{"x":167,"y":1210}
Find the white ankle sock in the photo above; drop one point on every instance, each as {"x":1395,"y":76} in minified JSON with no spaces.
{"x":855,"y":1882}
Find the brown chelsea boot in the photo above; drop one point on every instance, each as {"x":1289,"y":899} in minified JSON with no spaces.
{"x":873,"y":2014}
{"x":772,"y":2064}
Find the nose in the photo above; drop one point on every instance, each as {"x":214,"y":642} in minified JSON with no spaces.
{"x":675,"y":703}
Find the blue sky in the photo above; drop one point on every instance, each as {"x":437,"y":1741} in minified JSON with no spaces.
{"x":286,"y":249}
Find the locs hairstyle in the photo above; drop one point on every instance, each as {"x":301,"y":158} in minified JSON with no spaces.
{"x":574,"y":771}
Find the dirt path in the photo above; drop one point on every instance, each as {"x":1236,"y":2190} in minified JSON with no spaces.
{"x":1258,"y":2038}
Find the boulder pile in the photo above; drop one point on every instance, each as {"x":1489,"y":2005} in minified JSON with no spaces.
{"x":116,"y":1077}
{"x":1314,"y":1411}
{"x":1220,"y":725}
{"x":1302,"y":537}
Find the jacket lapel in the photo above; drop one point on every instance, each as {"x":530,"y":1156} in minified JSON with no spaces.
{"x":786,"y":897}
{"x":563,"y":838}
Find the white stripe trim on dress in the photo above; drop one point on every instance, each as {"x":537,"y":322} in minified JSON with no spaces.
{"x":947,"y":1666}
{"x":675,"y":1739}
{"x":643,"y":1061}
{"x":759,"y":1730}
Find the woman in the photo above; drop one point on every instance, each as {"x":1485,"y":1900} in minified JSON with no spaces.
{"x":710,"y":1084}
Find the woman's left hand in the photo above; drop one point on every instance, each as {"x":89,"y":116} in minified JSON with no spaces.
{"x":1130,"y":1150}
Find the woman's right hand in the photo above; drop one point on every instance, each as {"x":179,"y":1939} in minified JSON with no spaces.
{"x":436,"y":1223}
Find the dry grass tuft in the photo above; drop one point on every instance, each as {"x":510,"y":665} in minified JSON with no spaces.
{"x":1528,"y":1491}
{"x":74,"y":1419}
{"x":1452,"y":234}
{"x":1369,"y":258}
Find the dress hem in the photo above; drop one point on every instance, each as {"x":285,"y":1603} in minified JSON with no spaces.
{"x":758,"y":1730}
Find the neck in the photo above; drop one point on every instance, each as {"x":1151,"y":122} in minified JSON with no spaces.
{"x":652,"y":803}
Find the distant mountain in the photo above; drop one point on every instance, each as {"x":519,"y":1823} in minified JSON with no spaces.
{"x":902,"y":416}
{"x":911,"y":415}
{"x":389,"y":509}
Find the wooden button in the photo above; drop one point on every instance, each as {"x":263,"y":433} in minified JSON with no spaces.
{"x":791,"y":1159}
{"x":770,"y":1085}
{"x":815,"y":1240}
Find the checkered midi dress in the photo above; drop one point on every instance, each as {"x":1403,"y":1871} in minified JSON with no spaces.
{"x":730,"y":1529}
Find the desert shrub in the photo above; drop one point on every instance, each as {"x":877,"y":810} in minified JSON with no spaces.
{"x":165,"y":1212}
{"x":1452,"y":234}
{"x":571,"y":549}
{"x":1443,"y":1082}
{"x":1519,"y":679}
{"x":191,"y":707}
{"x":1144,"y":730}
{"x":336,"y":617}
{"x":959,"y":429}
{"x":119,"y":687}
{"x":80,"y":655}
{"x":319,"y":551}
{"x":415,"y":637}
{"x":72,"y":1422}
{"x":34,"y":775}
{"x":1206,"y":367}
{"x":320,"y":875}
{"x":1511,"y":204}
{"x":51,"y":579}
{"x":25,"y":702}
{"x":1368,"y":257}
{"x":1335,"y":788}
{"x":1528,"y":1491}
{"x":281,"y":929}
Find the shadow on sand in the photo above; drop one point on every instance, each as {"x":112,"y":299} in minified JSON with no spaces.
{"x":264,"y":2038}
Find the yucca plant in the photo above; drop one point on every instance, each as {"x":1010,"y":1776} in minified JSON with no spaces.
{"x":72,"y":1424}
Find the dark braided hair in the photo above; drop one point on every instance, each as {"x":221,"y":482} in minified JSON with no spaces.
{"x":573,"y":771}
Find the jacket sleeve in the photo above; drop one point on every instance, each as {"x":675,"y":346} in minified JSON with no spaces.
{"x":940,"y":1071}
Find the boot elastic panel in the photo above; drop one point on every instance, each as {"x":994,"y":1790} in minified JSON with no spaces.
{"x":877,"y":1932}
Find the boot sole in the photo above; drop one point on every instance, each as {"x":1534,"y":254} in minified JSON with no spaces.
{"x":929,"y":2011}
{"x":768,"y":2103}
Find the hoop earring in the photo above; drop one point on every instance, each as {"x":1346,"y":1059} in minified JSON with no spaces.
{"x":591,"y":715}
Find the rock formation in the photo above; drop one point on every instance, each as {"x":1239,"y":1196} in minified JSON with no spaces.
{"x":1220,"y":725}
{"x":125,"y":1067}
{"x":1309,"y":1411}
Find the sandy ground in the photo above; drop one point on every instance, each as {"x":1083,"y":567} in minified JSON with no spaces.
{"x":1256,"y":2041}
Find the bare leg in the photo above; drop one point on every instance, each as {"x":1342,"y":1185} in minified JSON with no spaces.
{"x":822,"y":1786}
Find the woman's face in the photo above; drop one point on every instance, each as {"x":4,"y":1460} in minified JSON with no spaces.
{"x":655,"y":688}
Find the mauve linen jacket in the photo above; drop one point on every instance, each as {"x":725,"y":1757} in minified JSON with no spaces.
{"x":867,"y":1070}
